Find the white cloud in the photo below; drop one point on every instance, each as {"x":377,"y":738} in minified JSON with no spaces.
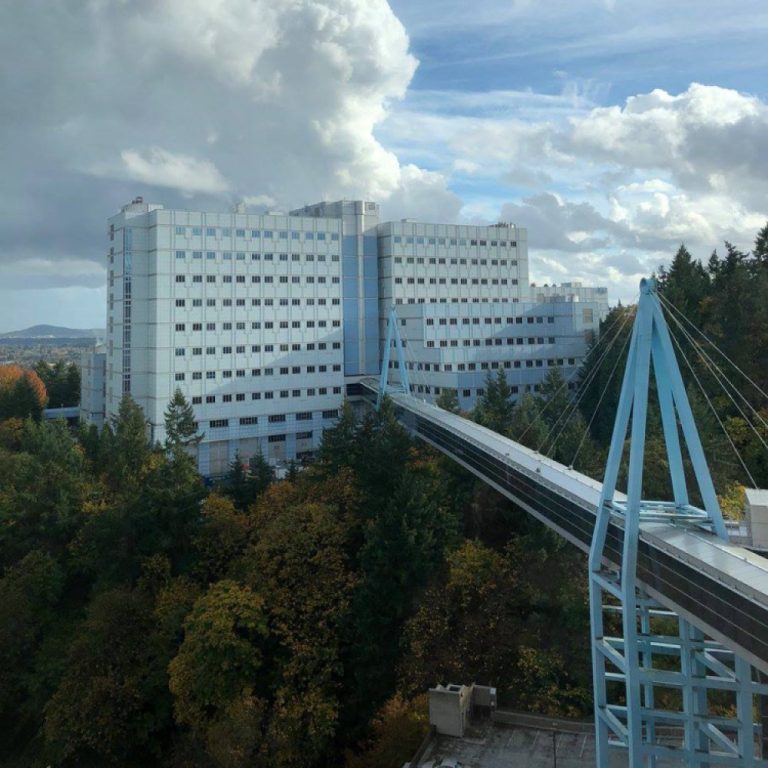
{"x":161,"y":168}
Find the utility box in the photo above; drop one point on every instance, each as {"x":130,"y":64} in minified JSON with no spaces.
{"x":449,"y":708}
{"x":757,"y":517}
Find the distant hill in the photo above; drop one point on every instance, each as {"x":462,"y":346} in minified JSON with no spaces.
{"x":54,"y":332}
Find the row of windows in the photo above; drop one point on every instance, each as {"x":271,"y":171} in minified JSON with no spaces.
{"x":254,"y":302}
{"x":485,"y":366}
{"x":267,"y":234}
{"x":488,"y":320}
{"x":258,"y":325}
{"x":239,"y":397}
{"x":282,"y":302}
{"x":239,"y":373}
{"x":294,"y":347}
{"x":277,"y":418}
{"x":417,"y":240}
{"x":454,"y":300}
{"x":480,"y":391}
{"x":241,"y":256}
{"x":454,"y":262}
{"x":491,"y":342}
{"x":457,"y":281}
{"x":295,"y":279}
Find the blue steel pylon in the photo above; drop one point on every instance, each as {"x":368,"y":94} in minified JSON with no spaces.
{"x":659,"y":648}
{"x":393,"y":333}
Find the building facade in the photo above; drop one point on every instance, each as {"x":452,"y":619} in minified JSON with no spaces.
{"x":262,"y":320}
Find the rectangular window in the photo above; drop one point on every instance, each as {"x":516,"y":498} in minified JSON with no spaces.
{"x":219,"y":423}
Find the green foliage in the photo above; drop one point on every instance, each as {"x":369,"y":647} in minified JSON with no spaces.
{"x":489,"y":620}
{"x":448,"y":400}
{"x":62,"y":382}
{"x":180,"y":424}
{"x":244,"y":485}
{"x":495,"y":407}
{"x":214,"y":677}
{"x":112,"y":697}
{"x":398,"y":729}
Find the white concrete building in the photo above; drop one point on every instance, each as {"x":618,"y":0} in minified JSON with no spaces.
{"x":92,"y":385}
{"x":241,"y":312}
{"x":466,"y":307}
{"x":261,"y":320}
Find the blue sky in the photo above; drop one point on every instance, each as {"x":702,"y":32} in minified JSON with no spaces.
{"x":613,"y":130}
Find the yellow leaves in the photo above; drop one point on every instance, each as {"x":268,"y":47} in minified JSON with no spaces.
{"x":733,"y":501}
{"x":398,"y":729}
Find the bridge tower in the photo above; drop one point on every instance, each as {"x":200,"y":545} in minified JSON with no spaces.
{"x":658,"y":681}
{"x":393,"y":334}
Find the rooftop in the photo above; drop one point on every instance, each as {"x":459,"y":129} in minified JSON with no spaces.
{"x":488,"y":744}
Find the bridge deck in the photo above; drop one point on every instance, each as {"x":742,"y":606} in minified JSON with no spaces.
{"x":719,"y":587}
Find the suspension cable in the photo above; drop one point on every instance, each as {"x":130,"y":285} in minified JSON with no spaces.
{"x":714,"y":412}
{"x":674,"y":309}
{"x":573,"y":404}
{"x":540,"y":413}
{"x":600,"y":400}
{"x":721,"y":379}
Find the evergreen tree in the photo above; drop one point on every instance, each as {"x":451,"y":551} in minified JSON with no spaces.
{"x":240,"y":486}
{"x":130,"y":447}
{"x":527,"y":425}
{"x":686,"y":284}
{"x":448,"y":400}
{"x":262,"y":473}
{"x":495,"y":407}
{"x":339,"y":444}
{"x":180,"y":423}
{"x":760,"y":251}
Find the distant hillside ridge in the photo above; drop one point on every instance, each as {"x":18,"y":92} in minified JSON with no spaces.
{"x":54,"y":332}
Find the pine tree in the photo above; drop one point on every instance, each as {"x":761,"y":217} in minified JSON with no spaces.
{"x":262,"y":473}
{"x":448,"y":400}
{"x":180,"y":423}
{"x":130,"y":444}
{"x":685,"y":284}
{"x":760,"y":251}
{"x":495,"y":407}
{"x":339,"y":444}
{"x":238,"y":485}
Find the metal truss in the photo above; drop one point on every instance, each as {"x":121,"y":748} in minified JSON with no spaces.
{"x":393,"y":333}
{"x":664,"y":693}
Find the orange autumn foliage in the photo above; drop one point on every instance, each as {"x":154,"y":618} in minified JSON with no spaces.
{"x":10,"y":374}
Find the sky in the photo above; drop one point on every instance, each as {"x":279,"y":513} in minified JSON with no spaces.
{"x":614,"y":130}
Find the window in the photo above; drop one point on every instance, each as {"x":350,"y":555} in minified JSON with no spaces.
{"x":180,"y":278}
{"x":179,"y":326}
{"x":179,"y":377}
{"x":276,"y":418}
{"x":210,"y":398}
{"x":304,"y":416}
{"x":330,"y":414}
{"x":180,"y":351}
{"x":219,"y":423}
{"x":197,"y":400}
{"x":181,"y":254}
{"x":246,"y":420}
